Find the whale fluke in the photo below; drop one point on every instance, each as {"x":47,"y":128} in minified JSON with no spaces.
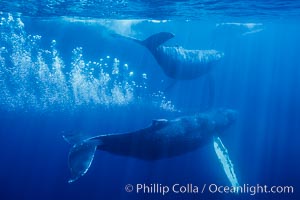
{"x":81,"y":155}
{"x":156,"y":40}
{"x":75,"y":138}
{"x":152,"y":42}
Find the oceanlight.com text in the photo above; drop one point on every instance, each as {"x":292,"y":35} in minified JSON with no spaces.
{"x":189,"y":188}
{"x":251,"y":189}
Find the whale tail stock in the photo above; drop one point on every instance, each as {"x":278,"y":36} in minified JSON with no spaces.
{"x":81,"y":154}
{"x":152,"y":42}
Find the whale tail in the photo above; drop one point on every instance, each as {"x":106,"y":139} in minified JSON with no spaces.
{"x":81,"y":154}
{"x":156,"y":40}
{"x":151,"y":42}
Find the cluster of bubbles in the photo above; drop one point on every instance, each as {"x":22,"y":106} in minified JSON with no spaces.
{"x":33,"y":78}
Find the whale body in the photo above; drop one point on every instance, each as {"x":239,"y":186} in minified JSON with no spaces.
{"x":162,"y":139}
{"x":177,"y":62}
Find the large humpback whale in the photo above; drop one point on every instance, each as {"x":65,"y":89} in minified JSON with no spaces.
{"x":177,"y":62}
{"x":162,"y":139}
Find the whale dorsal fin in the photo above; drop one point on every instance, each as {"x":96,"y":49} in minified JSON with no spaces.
{"x":156,"y":40}
{"x":158,"y":122}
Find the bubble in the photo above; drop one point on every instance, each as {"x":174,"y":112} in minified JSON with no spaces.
{"x":53,"y":42}
{"x":115,"y":71}
{"x":144,"y":75}
{"x":39,"y":78}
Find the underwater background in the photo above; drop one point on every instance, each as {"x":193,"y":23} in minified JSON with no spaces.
{"x":62,"y":72}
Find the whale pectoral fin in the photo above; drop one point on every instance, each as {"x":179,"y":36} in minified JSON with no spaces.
{"x":227,"y":165}
{"x":80,"y":159}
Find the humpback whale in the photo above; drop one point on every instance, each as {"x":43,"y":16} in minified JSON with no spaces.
{"x":162,"y":139}
{"x":177,"y":62}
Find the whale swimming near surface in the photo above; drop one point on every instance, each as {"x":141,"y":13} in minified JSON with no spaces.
{"x":177,"y":62}
{"x":162,"y":139}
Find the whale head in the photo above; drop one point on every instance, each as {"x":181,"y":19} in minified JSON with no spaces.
{"x":221,"y":119}
{"x":229,"y":114}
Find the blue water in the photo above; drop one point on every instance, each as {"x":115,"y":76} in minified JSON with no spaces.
{"x":62,"y":72}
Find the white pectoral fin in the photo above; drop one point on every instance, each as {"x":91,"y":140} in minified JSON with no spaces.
{"x":227,"y":165}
